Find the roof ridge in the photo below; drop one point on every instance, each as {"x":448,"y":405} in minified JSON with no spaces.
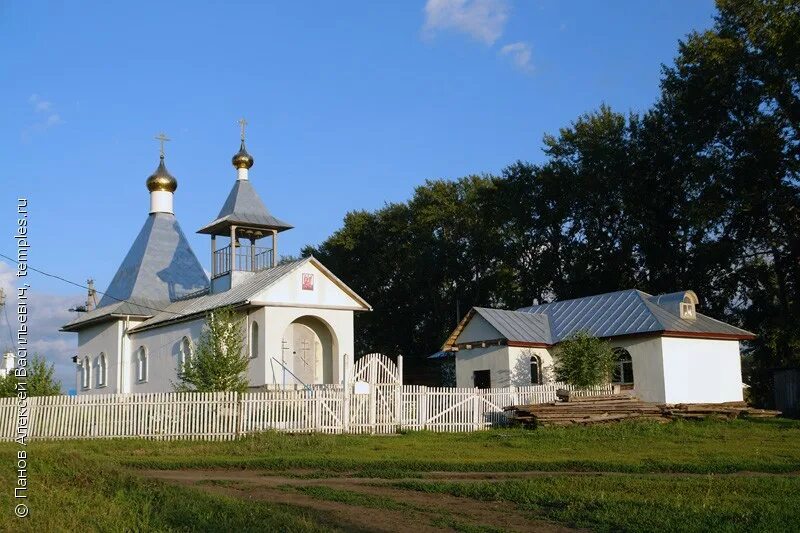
{"x":524,"y":309}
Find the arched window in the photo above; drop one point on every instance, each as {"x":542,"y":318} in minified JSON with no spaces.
{"x":623,"y":371}
{"x":141,"y":364}
{"x":101,"y":370}
{"x":254,"y":340}
{"x":86,"y":373}
{"x":186,"y":352}
{"x":536,"y":370}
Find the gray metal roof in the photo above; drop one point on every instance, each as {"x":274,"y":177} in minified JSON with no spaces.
{"x":630,"y":312}
{"x":244,"y":207}
{"x":239,"y":294}
{"x":140,"y":309}
{"x":515,"y":326}
{"x":624,"y":313}
{"x":159,"y":267}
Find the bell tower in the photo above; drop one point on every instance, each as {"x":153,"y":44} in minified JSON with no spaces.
{"x":242,"y":222}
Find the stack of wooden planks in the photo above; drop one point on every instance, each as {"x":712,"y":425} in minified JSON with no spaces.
{"x":730,"y":410}
{"x":602,"y":409}
{"x":586,"y":410}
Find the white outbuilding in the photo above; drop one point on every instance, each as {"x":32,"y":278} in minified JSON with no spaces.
{"x":298,"y":315}
{"x":667,"y":352}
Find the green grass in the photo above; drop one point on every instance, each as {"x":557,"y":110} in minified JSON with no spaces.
{"x":682,"y":446}
{"x":350,"y":497}
{"x":72,"y":491}
{"x":645,"y":503}
{"x":92,"y":485}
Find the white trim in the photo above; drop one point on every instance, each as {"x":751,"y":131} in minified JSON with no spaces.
{"x":263,"y":303}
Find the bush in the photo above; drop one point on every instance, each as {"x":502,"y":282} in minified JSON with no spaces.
{"x":584,"y":360}
{"x":40,"y":380}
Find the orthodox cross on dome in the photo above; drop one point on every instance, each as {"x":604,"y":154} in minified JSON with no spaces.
{"x":242,"y":123}
{"x":162,"y":138}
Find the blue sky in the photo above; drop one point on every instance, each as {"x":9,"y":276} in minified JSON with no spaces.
{"x":350,"y":104}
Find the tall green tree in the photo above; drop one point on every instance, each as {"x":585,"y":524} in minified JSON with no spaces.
{"x":219,"y":362}
{"x":730,"y":111}
{"x":701,"y":191}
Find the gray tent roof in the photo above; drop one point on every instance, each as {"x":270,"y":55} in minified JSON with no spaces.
{"x":160,"y":265}
{"x":160,"y":268}
{"x":243,"y":207}
{"x":629,"y":312}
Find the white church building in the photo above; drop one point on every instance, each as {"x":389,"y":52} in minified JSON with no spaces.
{"x":666,"y":351}
{"x":298,"y":315}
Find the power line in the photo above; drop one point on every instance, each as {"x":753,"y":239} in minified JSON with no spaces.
{"x":65,"y":280}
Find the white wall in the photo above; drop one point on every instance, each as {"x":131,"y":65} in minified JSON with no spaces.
{"x":104,"y":337}
{"x":478,"y":329}
{"x":492,"y":358}
{"x":520,"y":365}
{"x":163,"y":347}
{"x":701,"y":370}
{"x":289,"y":290}
{"x":648,"y":367}
{"x":256,"y":370}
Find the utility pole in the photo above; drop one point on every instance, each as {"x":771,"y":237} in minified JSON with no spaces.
{"x":91,"y":296}
{"x":91,"y":299}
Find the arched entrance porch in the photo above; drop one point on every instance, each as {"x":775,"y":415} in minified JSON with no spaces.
{"x":311,"y":351}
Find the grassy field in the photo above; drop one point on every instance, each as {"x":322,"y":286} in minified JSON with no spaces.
{"x":682,"y":476}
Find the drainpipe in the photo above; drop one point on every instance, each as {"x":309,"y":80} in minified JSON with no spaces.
{"x":122,"y":359}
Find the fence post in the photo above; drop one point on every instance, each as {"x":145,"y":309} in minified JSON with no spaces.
{"x":423,"y":407}
{"x":398,"y":402}
{"x":346,"y":399}
{"x":476,"y":402}
{"x":32,"y":413}
{"x":238,"y":410}
{"x":373,"y":396}
{"x":317,"y":408}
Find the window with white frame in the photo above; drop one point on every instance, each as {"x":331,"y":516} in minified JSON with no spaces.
{"x":187,"y":352}
{"x":254,"y":340}
{"x":623,"y":371}
{"x":102,"y":370}
{"x":141,"y":364}
{"x":86,"y":373}
{"x":536,"y":370}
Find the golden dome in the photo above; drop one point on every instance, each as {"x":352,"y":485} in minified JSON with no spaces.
{"x":161,"y":179}
{"x":242,"y":159}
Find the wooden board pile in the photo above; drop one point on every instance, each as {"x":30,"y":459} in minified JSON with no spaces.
{"x":583,"y":410}
{"x":730,"y":410}
{"x":571,"y":410}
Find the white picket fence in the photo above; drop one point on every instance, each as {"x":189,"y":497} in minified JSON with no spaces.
{"x":384,"y":409}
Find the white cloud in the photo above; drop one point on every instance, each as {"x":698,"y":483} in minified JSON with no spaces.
{"x":483,"y":20}
{"x":46,"y":314}
{"x":45,"y":116}
{"x":520,"y":54}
